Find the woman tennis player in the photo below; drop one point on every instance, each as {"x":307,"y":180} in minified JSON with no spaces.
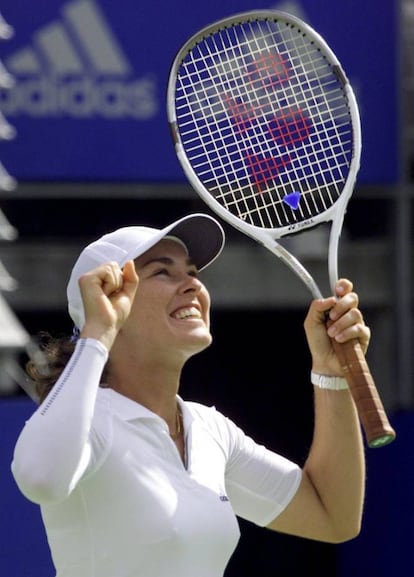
{"x":133,"y":480}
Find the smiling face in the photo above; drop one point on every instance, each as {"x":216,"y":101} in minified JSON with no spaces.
{"x":171,"y":311}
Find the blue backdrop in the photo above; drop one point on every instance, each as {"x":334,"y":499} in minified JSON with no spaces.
{"x":91,"y":75}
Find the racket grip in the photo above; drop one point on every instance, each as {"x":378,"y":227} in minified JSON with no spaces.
{"x":373,"y":417}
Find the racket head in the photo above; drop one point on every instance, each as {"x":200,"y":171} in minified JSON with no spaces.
{"x":265,"y":123}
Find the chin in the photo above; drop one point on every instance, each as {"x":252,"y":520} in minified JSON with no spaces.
{"x":201,"y":343}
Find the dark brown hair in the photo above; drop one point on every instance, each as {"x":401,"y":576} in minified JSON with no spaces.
{"x":56,"y":352}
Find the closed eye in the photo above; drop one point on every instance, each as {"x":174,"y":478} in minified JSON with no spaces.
{"x":168,"y":272}
{"x":161,"y":271}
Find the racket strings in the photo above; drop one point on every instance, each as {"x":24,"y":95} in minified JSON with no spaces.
{"x":233,"y":94}
{"x":263,"y":118}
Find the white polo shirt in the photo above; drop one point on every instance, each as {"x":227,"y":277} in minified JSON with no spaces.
{"x":137,"y":511}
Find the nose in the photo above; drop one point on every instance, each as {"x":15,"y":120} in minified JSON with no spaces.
{"x":190,"y":284}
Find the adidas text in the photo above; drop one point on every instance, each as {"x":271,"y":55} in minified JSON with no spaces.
{"x":81,"y":98}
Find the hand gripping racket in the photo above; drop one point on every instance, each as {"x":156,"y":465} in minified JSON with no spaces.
{"x":266,"y":127}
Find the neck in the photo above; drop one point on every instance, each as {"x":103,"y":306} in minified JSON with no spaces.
{"x":156,"y":392}
{"x":145,"y":383}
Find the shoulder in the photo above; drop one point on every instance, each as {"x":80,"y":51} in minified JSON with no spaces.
{"x":213,"y":421}
{"x":206,"y":414}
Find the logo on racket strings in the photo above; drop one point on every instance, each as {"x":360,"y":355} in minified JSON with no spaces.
{"x":281,"y":132}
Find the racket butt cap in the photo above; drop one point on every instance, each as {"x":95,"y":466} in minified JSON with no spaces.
{"x":381,"y":441}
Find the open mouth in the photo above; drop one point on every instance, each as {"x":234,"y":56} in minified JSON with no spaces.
{"x":187,"y":313}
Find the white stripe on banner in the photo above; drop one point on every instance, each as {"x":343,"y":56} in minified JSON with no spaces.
{"x":55,"y":44}
{"x":96,"y":38}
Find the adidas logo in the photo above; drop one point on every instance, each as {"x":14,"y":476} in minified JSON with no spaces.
{"x":77,"y":68}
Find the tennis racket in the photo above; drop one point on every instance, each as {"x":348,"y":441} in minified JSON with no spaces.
{"x":266,"y":127}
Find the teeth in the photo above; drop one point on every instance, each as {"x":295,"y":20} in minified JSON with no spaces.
{"x":187,"y":313}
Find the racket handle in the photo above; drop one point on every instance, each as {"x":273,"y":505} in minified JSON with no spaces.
{"x":377,"y":428}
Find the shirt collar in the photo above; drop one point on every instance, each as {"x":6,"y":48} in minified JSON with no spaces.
{"x":129,"y":410}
